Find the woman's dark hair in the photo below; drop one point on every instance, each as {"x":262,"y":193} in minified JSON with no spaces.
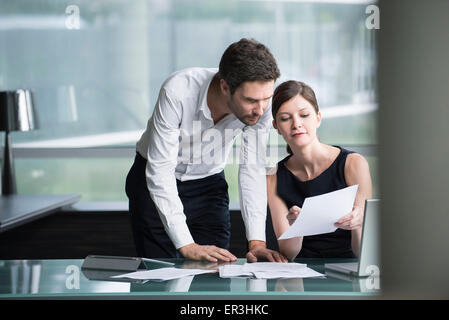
{"x":247,"y":60}
{"x":286,"y":91}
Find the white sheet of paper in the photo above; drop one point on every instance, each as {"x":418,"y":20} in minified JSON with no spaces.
{"x":233,"y":270}
{"x":318,"y":214}
{"x":268,"y":270}
{"x":272,"y":266}
{"x":300,"y":273}
{"x":163,"y":274}
{"x":180,"y":284}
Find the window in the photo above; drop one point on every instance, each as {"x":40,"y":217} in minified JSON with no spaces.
{"x":96,"y":80}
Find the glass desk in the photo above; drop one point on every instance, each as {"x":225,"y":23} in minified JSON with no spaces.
{"x":18,"y":209}
{"x":65,"y":279}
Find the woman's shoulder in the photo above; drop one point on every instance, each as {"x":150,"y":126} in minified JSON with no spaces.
{"x":282,"y":162}
{"x":355,"y":158}
{"x":342,"y":151}
{"x":271,"y":178}
{"x":272,"y":171}
{"x":355,"y":164}
{"x":351,"y":162}
{"x":350,"y":157}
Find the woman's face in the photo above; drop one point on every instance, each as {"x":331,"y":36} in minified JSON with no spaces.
{"x":297,"y":122}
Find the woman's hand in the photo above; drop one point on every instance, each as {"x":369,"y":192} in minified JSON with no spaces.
{"x":351,"y":221}
{"x":293,"y":214}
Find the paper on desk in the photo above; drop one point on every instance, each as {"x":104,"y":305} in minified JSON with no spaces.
{"x":268,"y":270}
{"x":301,"y":273}
{"x":318,"y":214}
{"x":233,"y":270}
{"x":163,"y":274}
{"x":273,"y":266}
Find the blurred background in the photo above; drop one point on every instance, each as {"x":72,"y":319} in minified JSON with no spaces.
{"x":96,"y":68}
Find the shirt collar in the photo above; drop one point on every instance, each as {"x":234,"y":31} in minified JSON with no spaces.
{"x":203,"y":96}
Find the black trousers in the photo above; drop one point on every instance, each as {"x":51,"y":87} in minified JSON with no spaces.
{"x":206,"y":206}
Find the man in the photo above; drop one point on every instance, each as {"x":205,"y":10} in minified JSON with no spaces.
{"x":178,"y":201}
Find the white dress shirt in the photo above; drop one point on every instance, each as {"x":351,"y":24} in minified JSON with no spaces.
{"x":182,"y":142}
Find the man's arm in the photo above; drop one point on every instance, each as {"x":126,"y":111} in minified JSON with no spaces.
{"x":252,"y":182}
{"x":253,"y":190}
{"x":162,"y":154}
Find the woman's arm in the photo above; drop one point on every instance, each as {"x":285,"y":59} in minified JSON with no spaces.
{"x":356,"y":172}
{"x":279,"y":211}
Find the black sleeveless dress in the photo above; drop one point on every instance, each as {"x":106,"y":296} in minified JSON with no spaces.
{"x":293,"y":191}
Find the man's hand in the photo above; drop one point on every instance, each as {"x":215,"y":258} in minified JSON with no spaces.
{"x":258,"y":250}
{"x":195,"y":251}
{"x":203,"y":265}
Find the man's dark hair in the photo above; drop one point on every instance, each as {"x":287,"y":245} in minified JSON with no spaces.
{"x":247,"y":60}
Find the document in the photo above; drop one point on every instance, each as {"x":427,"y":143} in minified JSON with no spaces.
{"x":163,"y":274}
{"x":318,"y":214}
{"x":268,"y":270}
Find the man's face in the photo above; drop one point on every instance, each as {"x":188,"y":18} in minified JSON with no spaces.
{"x":250,"y":100}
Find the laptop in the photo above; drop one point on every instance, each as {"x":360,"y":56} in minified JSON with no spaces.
{"x":369,"y":257}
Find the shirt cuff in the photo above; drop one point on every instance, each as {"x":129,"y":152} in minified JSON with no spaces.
{"x":180,"y":235}
{"x":255,"y":230}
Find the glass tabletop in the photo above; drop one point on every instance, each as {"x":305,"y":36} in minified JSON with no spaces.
{"x":66,"y":278}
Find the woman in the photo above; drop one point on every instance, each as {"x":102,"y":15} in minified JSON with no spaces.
{"x":311,"y":169}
